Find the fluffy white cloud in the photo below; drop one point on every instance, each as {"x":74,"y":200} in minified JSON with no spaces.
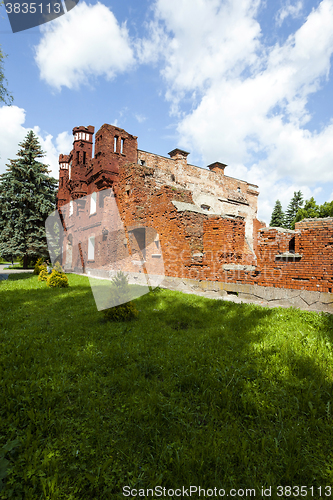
{"x":63,"y":143}
{"x":202,"y":41}
{"x":249,"y":101}
{"x":85,"y":43}
{"x":13,"y":132}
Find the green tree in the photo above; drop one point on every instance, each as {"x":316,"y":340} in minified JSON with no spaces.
{"x":295,"y":204}
{"x":326,"y":210}
{"x":5,"y":96}
{"x":277,"y":219}
{"x":27,"y":197}
{"x":311,"y":210}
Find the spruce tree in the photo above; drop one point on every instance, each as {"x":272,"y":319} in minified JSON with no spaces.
{"x":277,"y":219}
{"x":27,"y":197}
{"x":295,"y":204}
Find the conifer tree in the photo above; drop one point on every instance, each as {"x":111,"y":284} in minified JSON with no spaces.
{"x":295,"y":204}
{"x":27,"y":197}
{"x":277,"y":219}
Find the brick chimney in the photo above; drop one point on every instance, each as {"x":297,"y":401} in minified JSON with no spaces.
{"x":179,"y":156}
{"x":217,"y":167}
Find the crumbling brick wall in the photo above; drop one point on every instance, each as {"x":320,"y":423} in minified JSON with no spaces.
{"x":309,"y":265}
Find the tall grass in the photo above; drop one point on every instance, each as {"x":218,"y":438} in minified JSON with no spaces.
{"x":193,"y":392}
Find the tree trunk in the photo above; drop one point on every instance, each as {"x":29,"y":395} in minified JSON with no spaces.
{"x":25,"y":262}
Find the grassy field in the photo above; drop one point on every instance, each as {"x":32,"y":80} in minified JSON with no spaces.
{"x":194,"y":392}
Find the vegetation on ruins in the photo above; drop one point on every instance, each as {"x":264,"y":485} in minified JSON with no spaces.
{"x":194,"y":392}
{"x":27,"y":197}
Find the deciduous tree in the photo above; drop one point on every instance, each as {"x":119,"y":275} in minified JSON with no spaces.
{"x":5,"y":96}
{"x":311,"y":210}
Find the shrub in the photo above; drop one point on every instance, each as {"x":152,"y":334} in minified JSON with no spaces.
{"x":57,"y":266}
{"x":123,"y":312}
{"x":57,"y":279}
{"x":120,"y":290}
{"x":120,"y":294}
{"x":39,"y":265}
{"x":43,"y":275}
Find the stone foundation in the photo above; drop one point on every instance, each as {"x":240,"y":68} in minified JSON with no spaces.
{"x":262,"y":295}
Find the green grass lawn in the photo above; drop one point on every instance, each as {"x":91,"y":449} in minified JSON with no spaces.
{"x":19,"y":266}
{"x":194,"y":392}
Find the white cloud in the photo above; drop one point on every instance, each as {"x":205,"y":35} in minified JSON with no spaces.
{"x":289,"y":10}
{"x":63,"y":143}
{"x":85,"y":43}
{"x":249,"y":101}
{"x":207,"y":40}
{"x":13,"y":132}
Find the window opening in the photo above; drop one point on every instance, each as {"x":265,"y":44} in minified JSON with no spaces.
{"x":122,"y":146}
{"x":84,"y":157}
{"x":140,"y":240}
{"x":115,"y":141}
{"x":91,"y":248}
{"x":292,"y":245}
{"x":101,"y":197}
{"x":93,"y":198}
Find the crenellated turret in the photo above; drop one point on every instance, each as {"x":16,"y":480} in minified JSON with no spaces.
{"x":63,"y":195}
{"x":81,"y":156}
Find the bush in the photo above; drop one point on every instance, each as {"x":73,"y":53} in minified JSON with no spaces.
{"x":43,"y":275}
{"x":120,"y":291}
{"x":39,"y":265}
{"x":57,"y":279}
{"x":125,"y":310}
{"x":58,"y":267}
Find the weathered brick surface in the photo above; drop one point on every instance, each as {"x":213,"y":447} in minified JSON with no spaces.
{"x":202,"y":221}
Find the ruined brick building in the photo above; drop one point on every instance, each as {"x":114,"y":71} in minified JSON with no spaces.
{"x":202,"y":221}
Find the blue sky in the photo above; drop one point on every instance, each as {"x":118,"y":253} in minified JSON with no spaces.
{"x":246,"y":82}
